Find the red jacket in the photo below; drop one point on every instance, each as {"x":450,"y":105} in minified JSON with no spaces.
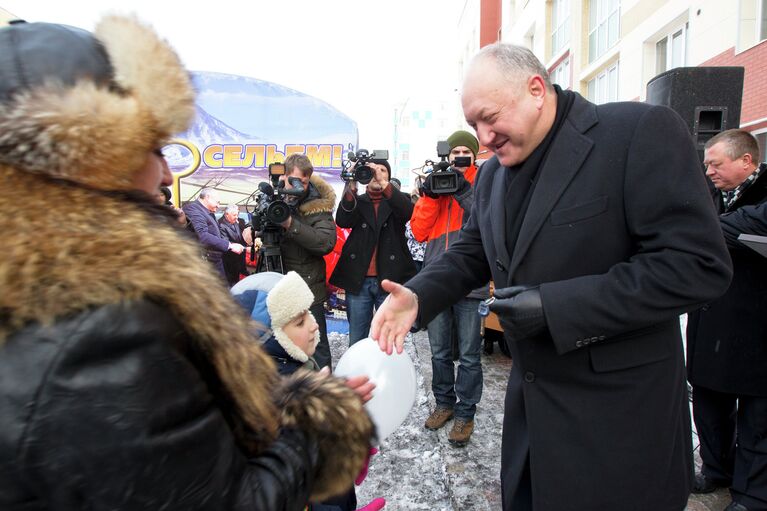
{"x":434,"y":220}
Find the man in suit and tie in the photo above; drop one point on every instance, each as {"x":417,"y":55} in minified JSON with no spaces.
{"x":595,"y":224}
{"x":201,"y":215}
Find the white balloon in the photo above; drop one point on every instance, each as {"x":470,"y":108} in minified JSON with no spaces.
{"x":394,"y":377}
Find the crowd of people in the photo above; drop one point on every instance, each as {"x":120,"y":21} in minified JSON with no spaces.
{"x":128,"y":381}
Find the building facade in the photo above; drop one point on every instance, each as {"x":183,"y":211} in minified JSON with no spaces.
{"x":608,"y":50}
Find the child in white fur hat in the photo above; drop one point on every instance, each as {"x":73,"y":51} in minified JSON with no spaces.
{"x":281,"y":304}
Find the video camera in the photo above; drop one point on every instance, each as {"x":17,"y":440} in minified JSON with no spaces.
{"x":444,"y":179}
{"x":271,"y":209}
{"x":360,"y":171}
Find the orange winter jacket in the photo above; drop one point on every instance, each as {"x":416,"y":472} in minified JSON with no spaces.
{"x":438,"y":221}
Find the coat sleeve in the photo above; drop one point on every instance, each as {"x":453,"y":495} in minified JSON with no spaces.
{"x":744,"y":220}
{"x":425,"y":214}
{"x":208,"y":238}
{"x":464,"y":262}
{"x":348,"y":213}
{"x":679,"y":259}
{"x":316,"y":232}
{"x":124,"y":421}
{"x":401,"y":205}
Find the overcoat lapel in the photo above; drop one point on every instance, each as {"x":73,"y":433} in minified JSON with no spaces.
{"x":498,"y":217}
{"x":565,"y":157}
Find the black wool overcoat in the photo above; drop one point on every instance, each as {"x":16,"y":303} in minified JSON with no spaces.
{"x":727,"y":337}
{"x":618,"y":235}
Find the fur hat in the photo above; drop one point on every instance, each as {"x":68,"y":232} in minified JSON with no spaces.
{"x":72,"y":102}
{"x":273,"y":300}
{"x":464,"y":138}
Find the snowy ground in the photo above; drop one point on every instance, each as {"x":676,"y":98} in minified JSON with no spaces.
{"x":418,"y":469}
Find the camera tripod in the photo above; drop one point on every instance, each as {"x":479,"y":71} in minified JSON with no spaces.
{"x":269,"y":255}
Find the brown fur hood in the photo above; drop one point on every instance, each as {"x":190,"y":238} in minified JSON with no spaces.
{"x":60,"y":148}
{"x":326,"y":201}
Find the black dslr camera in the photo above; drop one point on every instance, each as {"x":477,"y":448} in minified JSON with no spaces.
{"x":356,"y":167}
{"x":271,"y":209}
{"x":444,"y":179}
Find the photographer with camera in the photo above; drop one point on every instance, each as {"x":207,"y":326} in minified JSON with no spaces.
{"x":376,"y":248}
{"x":438,"y":215}
{"x":309,"y":234}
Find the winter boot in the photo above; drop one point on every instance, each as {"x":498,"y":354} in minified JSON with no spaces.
{"x":461,"y":432}
{"x":438,"y":418}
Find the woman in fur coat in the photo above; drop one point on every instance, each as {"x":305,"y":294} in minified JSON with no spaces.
{"x":128,"y":381}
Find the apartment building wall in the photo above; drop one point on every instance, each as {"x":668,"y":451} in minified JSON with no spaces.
{"x":653,"y":36}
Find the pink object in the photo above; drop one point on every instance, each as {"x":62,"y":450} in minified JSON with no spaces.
{"x":364,"y":472}
{"x":375,"y":505}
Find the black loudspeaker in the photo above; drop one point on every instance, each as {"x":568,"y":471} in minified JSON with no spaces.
{"x":707,"y":98}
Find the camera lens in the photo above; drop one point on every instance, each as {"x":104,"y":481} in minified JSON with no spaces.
{"x":363,"y":174}
{"x":277,"y":212}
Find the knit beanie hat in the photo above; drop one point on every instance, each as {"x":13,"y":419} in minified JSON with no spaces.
{"x":273,"y":300}
{"x":464,"y":138}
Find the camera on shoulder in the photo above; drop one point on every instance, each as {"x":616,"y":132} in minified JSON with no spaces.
{"x":356,"y":167}
{"x":270,"y":208}
{"x":441,"y":174}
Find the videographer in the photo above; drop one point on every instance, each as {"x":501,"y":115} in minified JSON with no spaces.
{"x":310,"y":233}
{"x":376,"y":248}
{"x":437,"y":219}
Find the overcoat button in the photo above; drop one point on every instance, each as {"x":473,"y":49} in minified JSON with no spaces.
{"x":529,"y":377}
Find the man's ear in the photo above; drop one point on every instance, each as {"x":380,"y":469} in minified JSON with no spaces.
{"x":536,"y":86}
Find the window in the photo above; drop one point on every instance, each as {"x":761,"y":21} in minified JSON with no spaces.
{"x":671,"y":51}
{"x":752,"y":23}
{"x":762,"y":20}
{"x":560,"y":25}
{"x":561,"y":74}
{"x":604,"y":18}
{"x":761,"y":139}
{"x":603,"y":88}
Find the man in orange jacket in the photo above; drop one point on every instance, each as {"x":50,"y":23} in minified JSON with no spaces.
{"x":437,"y":219}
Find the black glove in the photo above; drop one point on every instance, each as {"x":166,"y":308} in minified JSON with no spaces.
{"x":425,"y":188}
{"x":462,"y":184}
{"x":521,"y":311}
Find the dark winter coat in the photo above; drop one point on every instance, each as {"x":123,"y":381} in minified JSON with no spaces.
{"x":234,"y":264}
{"x":386,"y":230}
{"x":727,"y":337}
{"x":204,"y":224}
{"x":311,"y":235}
{"x":744,"y":220}
{"x":618,"y":236}
{"x":114,"y":408}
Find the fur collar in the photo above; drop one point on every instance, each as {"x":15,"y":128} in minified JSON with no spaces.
{"x":322,"y":204}
{"x":63,"y":262}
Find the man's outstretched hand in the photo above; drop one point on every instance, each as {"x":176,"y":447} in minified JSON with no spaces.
{"x":394,"y":318}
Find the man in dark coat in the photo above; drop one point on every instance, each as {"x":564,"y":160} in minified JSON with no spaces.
{"x":595,"y":224}
{"x":376,"y":248}
{"x":202,"y":219}
{"x":232,"y":228}
{"x":727,"y":342}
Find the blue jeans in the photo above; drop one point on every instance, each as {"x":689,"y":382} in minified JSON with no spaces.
{"x":460,"y":393}
{"x":359,"y":308}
